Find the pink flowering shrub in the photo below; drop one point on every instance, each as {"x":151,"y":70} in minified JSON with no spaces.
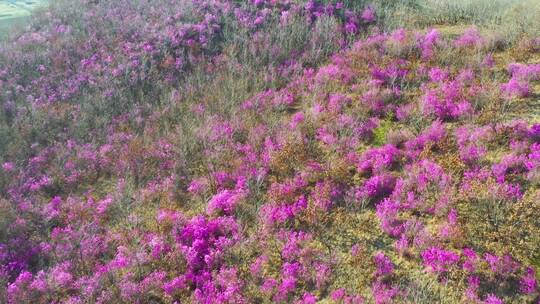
{"x":429,"y":42}
{"x":447,"y":100}
{"x":376,"y":187}
{"x":383,"y":293}
{"x":472,"y":143}
{"x":519,"y":83}
{"x":425,"y":177}
{"x":384,"y":264}
{"x":224,"y":202}
{"x":378,"y":160}
{"x":528,"y":282}
{"x":439,"y":260}
{"x":470,"y":38}
{"x":534,"y":132}
{"x":432,"y":135}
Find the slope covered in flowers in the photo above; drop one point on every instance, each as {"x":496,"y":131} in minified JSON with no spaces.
{"x":170,"y":165}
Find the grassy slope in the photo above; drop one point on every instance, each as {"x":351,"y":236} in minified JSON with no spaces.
{"x":340,"y":228}
{"x":16,"y":14}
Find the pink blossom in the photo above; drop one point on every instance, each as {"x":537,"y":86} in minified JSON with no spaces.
{"x":492,"y":299}
{"x":225,"y":201}
{"x":296,"y":119}
{"x":470,"y":38}
{"x":439,"y":260}
{"x":8,"y":167}
{"x":368,"y":14}
{"x":384,"y":264}
{"x":528,"y":283}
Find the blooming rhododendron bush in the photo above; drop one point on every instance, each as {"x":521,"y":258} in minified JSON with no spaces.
{"x":265,"y":152}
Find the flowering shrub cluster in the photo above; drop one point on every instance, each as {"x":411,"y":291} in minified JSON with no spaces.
{"x":371,"y":179}
{"x":522,"y":76}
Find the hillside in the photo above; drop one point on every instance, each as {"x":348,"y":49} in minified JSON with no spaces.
{"x":271,"y":151}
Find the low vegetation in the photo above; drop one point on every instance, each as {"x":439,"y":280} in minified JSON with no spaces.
{"x":271,"y":152}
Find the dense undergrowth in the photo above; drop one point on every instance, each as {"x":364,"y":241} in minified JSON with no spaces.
{"x":268,"y":152}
